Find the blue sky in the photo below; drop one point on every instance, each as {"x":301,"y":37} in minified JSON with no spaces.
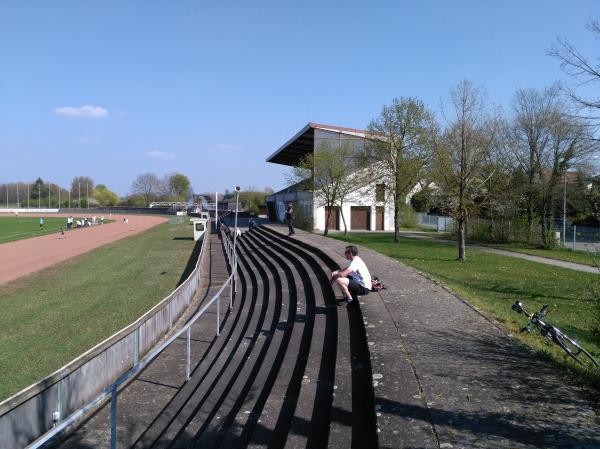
{"x":210,"y":89}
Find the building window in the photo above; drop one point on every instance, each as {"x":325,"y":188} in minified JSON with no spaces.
{"x":380,"y":192}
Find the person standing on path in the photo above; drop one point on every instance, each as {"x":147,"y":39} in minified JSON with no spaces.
{"x":289,"y":217}
{"x":355,"y":279}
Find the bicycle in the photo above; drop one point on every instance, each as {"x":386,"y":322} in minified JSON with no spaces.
{"x":553,"y":333}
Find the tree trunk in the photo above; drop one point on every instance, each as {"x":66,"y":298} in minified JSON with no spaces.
{"x":343,"y":220}
{"x":461,"y":240}
{"x":326,"y":230}
{"x":396,"y":218}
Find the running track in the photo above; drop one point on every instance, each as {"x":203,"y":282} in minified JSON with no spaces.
{"x":30,"y":255}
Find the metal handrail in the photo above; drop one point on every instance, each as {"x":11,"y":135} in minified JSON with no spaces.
{"x":112,"y":389}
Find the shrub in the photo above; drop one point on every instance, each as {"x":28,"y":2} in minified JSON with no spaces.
{"x":408,"y":217}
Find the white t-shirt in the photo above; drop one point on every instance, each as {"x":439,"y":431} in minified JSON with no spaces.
{"x":360,"y":272}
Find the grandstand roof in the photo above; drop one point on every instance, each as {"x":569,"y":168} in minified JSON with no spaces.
{"x":303,"y":143}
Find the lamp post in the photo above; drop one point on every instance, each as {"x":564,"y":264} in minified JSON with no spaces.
{"x":565,"y":211}
{"x":235,"y":232}
{"x":216,"y":211}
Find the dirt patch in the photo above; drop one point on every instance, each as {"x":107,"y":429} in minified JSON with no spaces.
{"x":27,"y":256}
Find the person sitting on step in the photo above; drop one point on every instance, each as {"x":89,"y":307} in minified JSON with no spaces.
{"x":355,"y":279}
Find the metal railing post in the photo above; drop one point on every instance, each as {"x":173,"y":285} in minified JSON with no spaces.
{"x":189,"y":354}
{"x":136,"y":345}
{"x":230,"y":296}
{"x":113,"y":419}
{"x":218,"y":312}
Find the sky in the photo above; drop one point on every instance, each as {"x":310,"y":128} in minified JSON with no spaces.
{"x":111,"y":89}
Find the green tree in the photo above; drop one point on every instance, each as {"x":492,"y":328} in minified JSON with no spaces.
{"x":400,"y":147}
{"x":104,"y":196}
{"x":180,"y":186}
{"x":331,"y":173}
{"x":462,"y":153}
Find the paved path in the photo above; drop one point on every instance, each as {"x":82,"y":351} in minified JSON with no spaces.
{"x":487,"y":249}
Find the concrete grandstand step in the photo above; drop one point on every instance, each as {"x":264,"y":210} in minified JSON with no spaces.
{"x":288,"y":410}
{"x":237,"y":428}
{"x":352,"y":409}
{"x":226,"y":374}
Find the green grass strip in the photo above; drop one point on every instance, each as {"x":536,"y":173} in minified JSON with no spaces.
{"x":12,"y":229}
{"x":493,"y":282}
{"x":51,"y":317}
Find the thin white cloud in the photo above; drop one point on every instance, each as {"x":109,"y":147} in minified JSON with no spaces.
{"x":87,"y":111}
{"x":160,"y":155}
{"x":86,"y":140}
{"x":224,"y":147}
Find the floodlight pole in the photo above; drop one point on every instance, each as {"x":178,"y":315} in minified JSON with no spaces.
{"x":27,"y":195}
{"x":216,"y":211}
{"x":18,"y":204}
{"x":49,"y":195}
{"x":79,"y":197}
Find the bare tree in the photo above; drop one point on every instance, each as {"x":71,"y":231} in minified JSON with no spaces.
{"x":461,"y":154}
{"x":400,"y":145}
{"x":583,"y":72}
{"x":146,"y":185}
{"x":529,"y":137}
{"x":570,"y":144}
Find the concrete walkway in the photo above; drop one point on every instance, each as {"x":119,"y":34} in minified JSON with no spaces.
{"x":501,"y":252}
{"x":446,"y":376}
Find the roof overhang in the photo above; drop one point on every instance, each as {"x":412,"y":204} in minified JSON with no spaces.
{"x":303,"y":143}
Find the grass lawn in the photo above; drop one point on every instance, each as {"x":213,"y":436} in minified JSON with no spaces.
{"x":12,"y":228}
{"x":568,"y":255}
{"x":493,"y":283}
{"x":51,"y":317}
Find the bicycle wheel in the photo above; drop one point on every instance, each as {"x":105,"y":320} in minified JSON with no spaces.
{"x":573,"y":348}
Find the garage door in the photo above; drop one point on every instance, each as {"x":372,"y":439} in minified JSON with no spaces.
{"x":379,"y":218}
{"x":359,"y":217}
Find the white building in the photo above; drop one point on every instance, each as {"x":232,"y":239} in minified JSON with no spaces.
{"x":366,"y":209}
